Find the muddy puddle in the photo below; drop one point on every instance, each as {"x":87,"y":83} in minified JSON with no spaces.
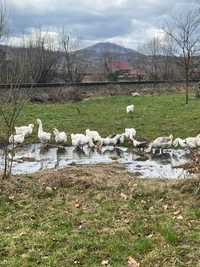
{"x":34,"y":157}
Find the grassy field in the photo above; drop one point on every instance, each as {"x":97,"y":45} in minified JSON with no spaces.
{"x":96,"y":214}
{"x":153,"y":116}
{"x":84,"y":215}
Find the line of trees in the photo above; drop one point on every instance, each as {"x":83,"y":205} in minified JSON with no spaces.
{"x":175,"y":55}
{"x":161,"y":63}
{"x":184,"y":31}
{"x":40,"y":60}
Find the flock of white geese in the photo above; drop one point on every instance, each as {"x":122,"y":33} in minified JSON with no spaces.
{"x":92,"y":139}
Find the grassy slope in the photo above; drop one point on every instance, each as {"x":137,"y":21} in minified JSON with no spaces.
{"x":41,"y":229}
{"x":153,"y":116}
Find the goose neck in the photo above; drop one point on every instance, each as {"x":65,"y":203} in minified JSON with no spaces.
{"x":40,"y":129}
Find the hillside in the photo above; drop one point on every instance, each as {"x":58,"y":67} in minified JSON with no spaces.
{"x":94,"y":56}
{"x":102,"y":48}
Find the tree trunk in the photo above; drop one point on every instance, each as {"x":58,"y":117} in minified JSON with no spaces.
{"x":5,"y":162}
{"x":187,"y":93}
{"x":186,"y":85}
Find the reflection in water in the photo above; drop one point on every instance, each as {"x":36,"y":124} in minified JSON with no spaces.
{"x":35,"y":157}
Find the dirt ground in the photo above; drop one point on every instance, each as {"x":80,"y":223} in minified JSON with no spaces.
{"x":99,"y":176}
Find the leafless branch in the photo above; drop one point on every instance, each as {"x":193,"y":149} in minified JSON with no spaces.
{"x":73,"y":70}
{"x":184,"y":31}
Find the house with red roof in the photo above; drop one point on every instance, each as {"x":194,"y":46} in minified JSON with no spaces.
{"x":122,"y":66}
{"x":125,"y":71}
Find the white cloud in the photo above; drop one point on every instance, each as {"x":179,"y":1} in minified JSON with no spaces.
{"x":128,"y":22}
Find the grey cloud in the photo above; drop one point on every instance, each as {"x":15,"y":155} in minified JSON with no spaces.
{"x":93,"y":20}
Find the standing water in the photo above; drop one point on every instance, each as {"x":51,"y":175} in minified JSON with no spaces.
{"x":34,"y":157}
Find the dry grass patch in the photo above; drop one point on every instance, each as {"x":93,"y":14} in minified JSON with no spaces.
{"x":83,"y":215}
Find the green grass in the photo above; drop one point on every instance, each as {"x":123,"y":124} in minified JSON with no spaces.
{"x":153,"y":116}
{"x":40,"y":229}
{"x":169,"y":234}
{"x":43,"y":229}
{"x":143,"y":245}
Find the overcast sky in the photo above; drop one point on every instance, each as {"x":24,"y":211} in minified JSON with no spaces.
{"x":126,"y":22}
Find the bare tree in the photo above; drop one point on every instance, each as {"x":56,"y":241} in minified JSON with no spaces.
{"x":170,"y":68}
{"x":153,"y":50}
{"x":107,"y":63}
{"x":3,"y":32}
{"x":41,"y":57}
{"x":74,"y":69}
{"x":184,"y":31}
{"x":12,"y":103}
{"x":107,"y":60}
{"x":3,"y":19}
{"x":14,"y":65}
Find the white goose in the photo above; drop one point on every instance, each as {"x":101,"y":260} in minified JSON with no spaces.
{"x":81,"y":140}
{"x":141,"y":145}
{"x":107,"y":141}
{"x":44,"y":137}
{"x":122,"y":138}
{"x":198,"y":140}
{"x":16,"y":139}
{"x":191,"y":142}
{"x":113,"y":141}
{"x":161,"y":143}
{"x":119,"y":138}
{"x":60,"y":137}
{"x":130,"y":109}
{"x":179,"y":142}
{"x":130,"y":133}
{"x":25,"y":130}
{"x":94,"y":135}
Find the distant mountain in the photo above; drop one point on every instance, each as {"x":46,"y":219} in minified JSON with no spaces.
{"x":102,"y":48}
{"x":95,"y":55}
{"x":91,"y":58}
